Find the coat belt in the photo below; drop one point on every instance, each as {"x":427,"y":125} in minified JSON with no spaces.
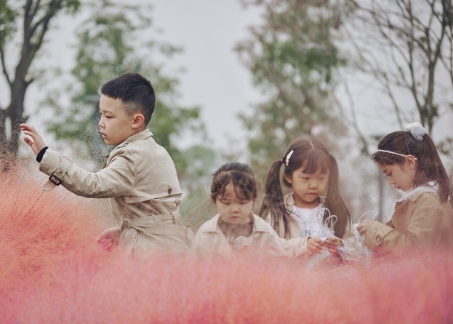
{"x":149,"y":225}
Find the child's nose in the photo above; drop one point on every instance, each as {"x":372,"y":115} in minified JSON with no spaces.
{"x":234,"y":208}
{"x":313,"y":184}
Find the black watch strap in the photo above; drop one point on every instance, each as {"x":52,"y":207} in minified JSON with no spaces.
{"x":41,"y":154}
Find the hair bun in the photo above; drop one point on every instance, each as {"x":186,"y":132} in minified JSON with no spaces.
{"x":417,"y":130}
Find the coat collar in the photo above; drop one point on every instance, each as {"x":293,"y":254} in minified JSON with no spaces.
{"x":137,"y":137}
{"x":144,"y":134}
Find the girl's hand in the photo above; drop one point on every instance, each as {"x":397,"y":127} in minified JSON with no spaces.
{"x":362,"y":228}
{"x":109,"y":239}
{"x":332,"y":243}
{"x":314,"y":245}
{"x":34,"y":141}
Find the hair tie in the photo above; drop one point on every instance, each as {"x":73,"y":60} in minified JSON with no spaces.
{"x":417,"y":130}
{"x":288,"y":156}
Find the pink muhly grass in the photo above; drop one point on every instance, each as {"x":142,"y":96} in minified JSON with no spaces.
{"x":38,"y":227}
{"x":51,"y":271}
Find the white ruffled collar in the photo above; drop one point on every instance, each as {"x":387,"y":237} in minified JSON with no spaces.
{"x":429,"y":187}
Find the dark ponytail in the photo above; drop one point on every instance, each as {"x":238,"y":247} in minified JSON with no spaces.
{"x":273,"y":201}
{"x":334,"y":202}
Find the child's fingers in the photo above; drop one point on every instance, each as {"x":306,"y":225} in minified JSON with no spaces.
{"x":26,"y":127}
{"x":316,"y":239}
{"x":332,"y":241}
{"x":107,"y":247}
{"x":361,"y":229}
{"x":315,"y":247}
{"x":28,"y":140}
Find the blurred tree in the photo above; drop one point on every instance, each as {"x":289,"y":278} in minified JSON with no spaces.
{"x":292,"y":56}
{"x":407,"y":46}
{"x":114,"y":39}
{"x":35,"y":17}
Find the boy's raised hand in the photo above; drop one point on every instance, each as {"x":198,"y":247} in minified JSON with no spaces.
{"x":109,"y":239}
{"x":34,"y":140}
{"x":314,"y":245}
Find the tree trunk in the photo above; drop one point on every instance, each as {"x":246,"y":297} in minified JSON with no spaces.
{"x":10,"y":144}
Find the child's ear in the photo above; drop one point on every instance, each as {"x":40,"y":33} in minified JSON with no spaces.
{"x":290,"y":180}
{"x":411,"y":161}
{"x":139,"y":121}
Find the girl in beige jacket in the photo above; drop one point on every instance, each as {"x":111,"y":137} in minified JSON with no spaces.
{"x":423,"y":216}
{"x":235,"y":230}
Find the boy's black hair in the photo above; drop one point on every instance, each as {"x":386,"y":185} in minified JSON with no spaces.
{"x":136,"y":93}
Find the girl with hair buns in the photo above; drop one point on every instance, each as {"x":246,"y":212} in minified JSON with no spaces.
{"x":423,"y":215}
{"x":235,"y":231}
{"x":311,"y":172}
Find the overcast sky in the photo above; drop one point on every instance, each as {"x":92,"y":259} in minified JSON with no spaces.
{"x":214,"y":78}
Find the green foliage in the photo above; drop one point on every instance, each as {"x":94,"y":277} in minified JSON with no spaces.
{"x":7,"y":22}
{"x":292,"y":56}
{"x":113,"y":40}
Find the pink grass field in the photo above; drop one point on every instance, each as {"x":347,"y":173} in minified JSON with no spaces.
{"x":52,"y":271}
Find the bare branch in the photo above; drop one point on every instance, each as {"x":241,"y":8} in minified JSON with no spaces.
{"x":44,"y":21}
{"x":5,"y":71}
{"x":354,"y":121}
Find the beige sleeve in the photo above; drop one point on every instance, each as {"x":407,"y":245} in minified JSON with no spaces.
{"x":422,"y":227}
{"x":112,"y":181}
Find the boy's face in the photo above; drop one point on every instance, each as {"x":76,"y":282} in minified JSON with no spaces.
{"x":115,"y":124}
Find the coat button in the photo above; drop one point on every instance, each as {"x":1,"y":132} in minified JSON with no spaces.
{"x":169,"y":191}
{"x":257,"y":235}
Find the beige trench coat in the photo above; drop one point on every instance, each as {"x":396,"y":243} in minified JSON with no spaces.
{"x":264,"y":242}
{"x":140,"y":179}
{"x":420,"y":220}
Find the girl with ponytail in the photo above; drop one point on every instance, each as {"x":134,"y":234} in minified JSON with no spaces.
{"x":310,"y":171}
{"x":423,"y":215}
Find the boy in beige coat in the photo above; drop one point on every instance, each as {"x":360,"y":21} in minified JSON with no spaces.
{"x":139,"y":175}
